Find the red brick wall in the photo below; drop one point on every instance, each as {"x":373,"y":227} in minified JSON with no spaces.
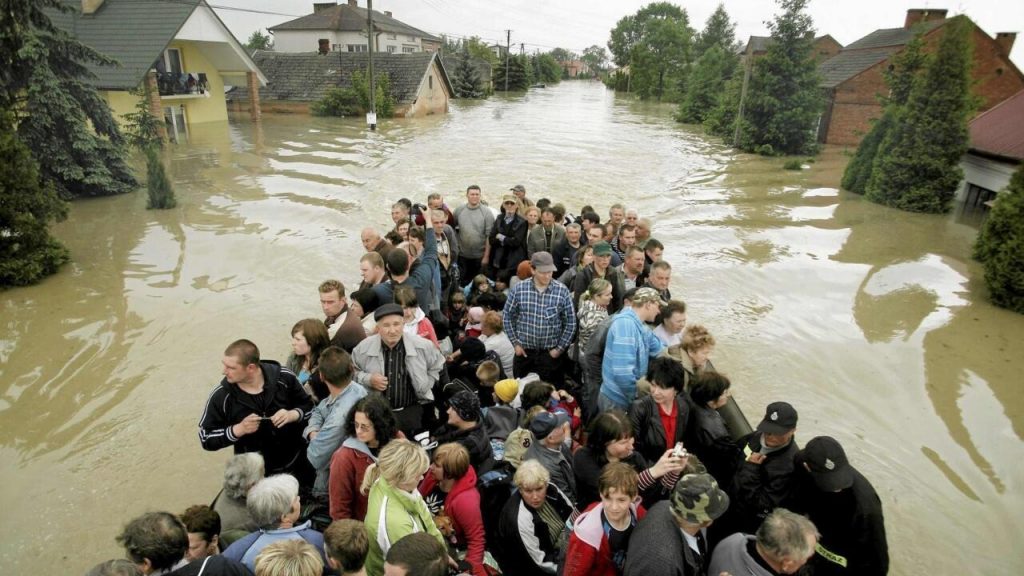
{"x":855,"y":103}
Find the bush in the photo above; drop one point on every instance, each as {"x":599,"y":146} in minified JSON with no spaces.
{"x":765,"y":150}
{"x":161,"y":195}
{"x":1000,"y":246}
{"x":793,"y":165}
{"x":337,"y":102}
{"x":27,"y":206}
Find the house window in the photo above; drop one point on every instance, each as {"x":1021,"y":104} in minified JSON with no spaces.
{"x":391,"y":49}
{"x":336,"y":47}
{"x":430,"y":82}
{"x":977,"y":196}
{"x":408,"y":49}
{"x":170,"y":61}
{"x":357,"y":47}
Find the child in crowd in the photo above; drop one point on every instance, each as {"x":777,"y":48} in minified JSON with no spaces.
{"x":500,"y":419}
{"x":416,"y":322}
{"x":346,"y":544}
{"x":474,"y":322}
{"x":457,"y":311}
{"x":600,"y":537}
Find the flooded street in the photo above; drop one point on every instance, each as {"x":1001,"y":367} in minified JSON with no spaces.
{"x":872,"y":322}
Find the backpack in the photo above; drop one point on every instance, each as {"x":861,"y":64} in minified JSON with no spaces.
{"x":495,"y":488}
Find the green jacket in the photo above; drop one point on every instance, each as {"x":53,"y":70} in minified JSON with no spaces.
{"x":392,"y":513}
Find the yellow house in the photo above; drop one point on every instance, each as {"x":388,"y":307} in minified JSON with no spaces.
{"x":181,"y":49}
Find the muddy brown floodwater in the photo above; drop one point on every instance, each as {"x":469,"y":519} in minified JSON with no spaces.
{"x":872,"y":322}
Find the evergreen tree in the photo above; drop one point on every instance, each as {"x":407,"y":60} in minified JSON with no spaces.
{"x":783,"y":99}
{"x":158,"y":185}
{"x":706,"y":84}
{"x":62,"y":119}
{"x":143,"y":130}
{"x":466,"y":79}
{"x":547,"y":69}
{"x":27,"y":206}
{"x":917,"y":167}
{"x":1000,"y":246}
{"x":721,"y":120}
{"x":906,"y":66}
{"x":520,"y":74}
{"x":719,"y":30}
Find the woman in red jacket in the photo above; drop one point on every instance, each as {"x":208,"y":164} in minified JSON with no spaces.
{"x":370,"y":425}
{"x":600,"y":537}
{"x":449,"y":489}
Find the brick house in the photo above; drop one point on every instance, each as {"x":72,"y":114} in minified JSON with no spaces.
{"x":853,"y":79}
{"x":825,"y":47}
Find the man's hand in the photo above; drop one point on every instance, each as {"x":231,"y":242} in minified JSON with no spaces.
{"x":283,"y":417}
{"x":248,"y":425}
{"x":555,"y":352}
{"x":379,"y":381}
{"x":755,"y":458}
{"x":520,"y":351}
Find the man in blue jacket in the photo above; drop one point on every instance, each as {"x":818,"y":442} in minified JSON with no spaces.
{"x":631,"y":345}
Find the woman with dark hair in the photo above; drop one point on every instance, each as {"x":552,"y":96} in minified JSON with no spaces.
{"x":363,"y":303}
{"x":584,"y":257}
{"x":369,"y":427}
{"x":660,"y":419}
{"x":712,"y":442}
{"x":610,"y":439}
{"x":309,"y":338}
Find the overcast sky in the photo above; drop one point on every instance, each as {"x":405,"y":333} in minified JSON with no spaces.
{"x":577,"y":24}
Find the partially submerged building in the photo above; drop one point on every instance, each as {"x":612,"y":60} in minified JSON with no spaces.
{"x":854,"y":78}
{"x":181,"y":49}
{"x":419,"y":82}
{"x":996,"y":152}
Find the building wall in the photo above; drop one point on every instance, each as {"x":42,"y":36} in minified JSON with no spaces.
{"x":994,"y":79}
{"x":825,"y":48}
{"x":210,"y":108}
{"x":432,"y":97}
{"x":308,"y":41}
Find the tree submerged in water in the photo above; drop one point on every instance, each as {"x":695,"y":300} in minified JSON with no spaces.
{"x":1000,"y":246}
{"x":466,"y":80}
{"x":355,"y":100}
{"x":917,"y":167}
{"x":145,"y":132}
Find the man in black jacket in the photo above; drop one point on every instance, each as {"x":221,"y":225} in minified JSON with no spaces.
{"x":846,"y":510}
{"x":763,"y":480}
{"x":259,"y":406}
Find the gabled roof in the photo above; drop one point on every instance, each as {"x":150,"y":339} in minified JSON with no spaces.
{"x":868,"y":51}
{"x":132,"y":32}
{"x":345,"y":18}
{"x":894,"y":36}
{"x":761,"y":43}
{"x":847,"y":64}
{"x":306,"y":76}
{"x":999,"y":131}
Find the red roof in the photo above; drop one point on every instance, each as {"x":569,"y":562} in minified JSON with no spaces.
{"x":1000,"y":129}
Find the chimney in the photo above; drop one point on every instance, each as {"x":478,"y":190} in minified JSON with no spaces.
{"x":1005,"y":41}
{"x":324,"y":46}
{"x":353,"y":3}
{"x":388,"y":13}
{"x":321,"y":6}
{"x":91,"y":6}
{"x":918,"y":15}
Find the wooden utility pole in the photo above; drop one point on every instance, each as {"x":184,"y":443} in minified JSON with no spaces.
{"x":508,"y":54}
{"x":748,"y":64}
{"x":371,"y":116}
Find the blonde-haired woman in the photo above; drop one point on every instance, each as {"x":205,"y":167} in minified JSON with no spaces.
{"x":694,"y":353}
{"x":531,"y":528}
{"x":395,"y":507}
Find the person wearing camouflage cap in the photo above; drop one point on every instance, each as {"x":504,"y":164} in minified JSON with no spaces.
{"x":670,"y":540}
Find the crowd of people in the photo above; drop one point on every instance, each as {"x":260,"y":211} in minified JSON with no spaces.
{"x":507,"y":391}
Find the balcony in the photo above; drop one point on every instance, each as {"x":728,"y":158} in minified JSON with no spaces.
{"x":174,"y":86}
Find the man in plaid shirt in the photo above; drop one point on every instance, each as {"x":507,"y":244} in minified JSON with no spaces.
{"x":540,"y":320}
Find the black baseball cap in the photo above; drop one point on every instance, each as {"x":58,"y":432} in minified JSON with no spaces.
{"x":827,"y":464}
{"x":779,"y":418}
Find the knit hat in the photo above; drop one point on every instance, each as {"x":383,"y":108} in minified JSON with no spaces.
{"x":506,"y":390}
{"x":697,"y":498}
{"x":828,"y":465}
{"x":779,"y":418}
{"x":466,"y":404}
{"x":602,"y":249}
